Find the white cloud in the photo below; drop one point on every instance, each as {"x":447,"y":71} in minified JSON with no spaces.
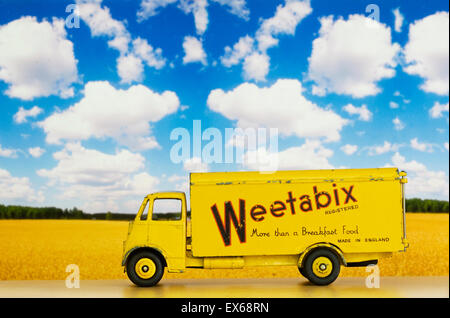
{"x":398,"y":20}
{"x":152,"y":57}
{"x":362,"y":54}
{"x":281,"y":106}
{"x":425,"y":147}
{"x":427,"y":52}
{"x":349,"y":149}
{"x":198,"y":9}
{"x":21,"y":116}
{"x":393,"y":105}
{"x":437,"y":110}
{"x":195,"y":164}
{"x":36,"y":152}
{"x":176,"y":178}
{"x":37,"y":59}
{"x":363,"y":112}
{"x":150,"y":8}
{"x":236,"y":7}
{"x":93,"y":177}
{"x":240,"y":50}
{"x":130,"y":68}
{"x":101,"y":23}
{"x":312,"y":153}
{"x":411,"y":166}
{"x":77,"y":164}
{"x":386,"y":147}
{"x":193,"y":50}
{"x":256,"y":66}
{"x":253,"y":51}
{"x":446,"y":145}
{"x":104,"y":111}
{"x":398,"y":124}
{"x":181,"y":183}
{"x":421,"y":181}
{"x":8,"y":153}
{"x":18,"y":189}
{"x":285,"y":21}
{"x":132,"y":52}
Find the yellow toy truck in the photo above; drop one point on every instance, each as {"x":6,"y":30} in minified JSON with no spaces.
{"x":317,"y":220}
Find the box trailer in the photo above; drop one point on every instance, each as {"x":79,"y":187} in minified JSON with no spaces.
{"x":317,"y":220}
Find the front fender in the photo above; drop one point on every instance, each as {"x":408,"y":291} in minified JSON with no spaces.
{"x":146,"y":247}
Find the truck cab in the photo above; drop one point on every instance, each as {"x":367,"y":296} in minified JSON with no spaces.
{"x":156,"y":238}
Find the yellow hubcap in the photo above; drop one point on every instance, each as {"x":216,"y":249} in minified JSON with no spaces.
{"x":145,"y":268}
{"x":322,"y":266}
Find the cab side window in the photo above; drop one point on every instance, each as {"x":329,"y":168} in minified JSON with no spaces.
{"x":166,"y":210}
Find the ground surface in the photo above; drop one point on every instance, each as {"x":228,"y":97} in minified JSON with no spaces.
{"x":390,"y":287}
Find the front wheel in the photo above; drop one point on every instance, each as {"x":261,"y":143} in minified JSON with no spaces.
{"x":302,"y":271}
{"x":145,"y":269}
{"x":321,"y":267}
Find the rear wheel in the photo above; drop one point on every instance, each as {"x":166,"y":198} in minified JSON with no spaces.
{"x":321,"y":266}
{"x":145,"y":269}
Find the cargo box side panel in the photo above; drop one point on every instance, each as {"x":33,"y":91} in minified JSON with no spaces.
{"x":358,"y":215}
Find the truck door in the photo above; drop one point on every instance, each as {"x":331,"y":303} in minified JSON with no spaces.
{"x":167,"y":228}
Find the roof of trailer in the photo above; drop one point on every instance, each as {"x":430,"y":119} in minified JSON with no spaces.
{"x":327,"y":175}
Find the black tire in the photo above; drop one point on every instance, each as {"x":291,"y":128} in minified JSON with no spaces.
{"x":134,"y":276}
{"x":308,"y":264}
{"x":302,"y":271}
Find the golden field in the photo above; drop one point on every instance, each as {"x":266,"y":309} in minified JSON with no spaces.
{"x":41,"y":249}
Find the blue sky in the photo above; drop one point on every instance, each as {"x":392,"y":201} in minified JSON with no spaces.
{"x":89,"y":97}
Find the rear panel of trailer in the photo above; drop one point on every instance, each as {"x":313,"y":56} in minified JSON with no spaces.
{"x":365,"y":212}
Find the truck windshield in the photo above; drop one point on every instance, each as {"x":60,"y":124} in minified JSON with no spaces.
{"x":166,"y":209}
